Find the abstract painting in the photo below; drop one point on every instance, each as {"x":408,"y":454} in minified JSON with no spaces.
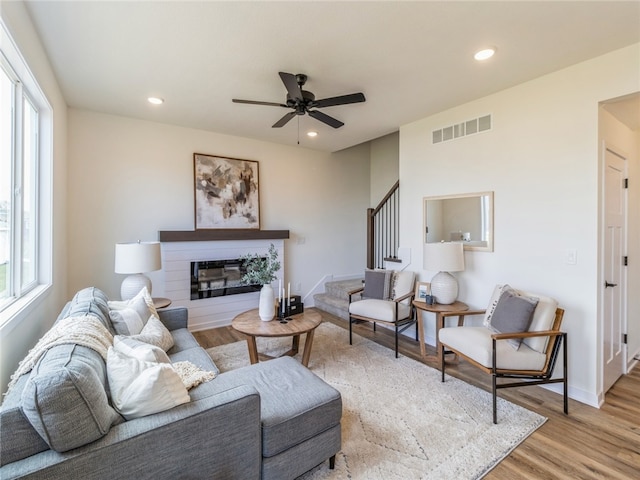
{"x":226,"y":192}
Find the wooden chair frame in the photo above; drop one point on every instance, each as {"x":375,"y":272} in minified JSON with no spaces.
{"x":404,"y":323}
{"x":525,"y":377}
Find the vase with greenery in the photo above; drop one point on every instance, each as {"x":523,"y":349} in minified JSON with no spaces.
{"x":262,"y":271}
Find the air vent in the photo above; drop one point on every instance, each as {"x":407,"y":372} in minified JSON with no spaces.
{"x":470,"y":127}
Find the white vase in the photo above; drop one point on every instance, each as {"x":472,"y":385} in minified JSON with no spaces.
{"x":267,"y":307}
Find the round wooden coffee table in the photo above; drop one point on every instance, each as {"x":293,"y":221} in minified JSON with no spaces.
{"x":250,"y":324}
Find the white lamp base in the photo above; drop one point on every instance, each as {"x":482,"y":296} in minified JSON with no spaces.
{"x":444,"y":287}
{"x":132,"y":285}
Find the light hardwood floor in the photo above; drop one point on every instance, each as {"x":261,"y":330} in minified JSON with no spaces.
{"x":589,"y":443}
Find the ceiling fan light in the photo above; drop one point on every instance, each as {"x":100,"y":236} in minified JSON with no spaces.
{"x":485,"y":54}
{"x":155,"y":100}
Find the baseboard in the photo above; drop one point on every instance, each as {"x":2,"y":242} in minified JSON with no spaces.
{"x":208,"y":324}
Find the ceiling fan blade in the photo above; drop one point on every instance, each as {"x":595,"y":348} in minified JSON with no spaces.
{"x":290,"y":81}
{"x":341,"y":100}
{"x":325,"y":118}
{"x":284,"y":120}
{"x":254,"y":102}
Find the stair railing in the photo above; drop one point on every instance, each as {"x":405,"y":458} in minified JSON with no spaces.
{"x":383,"y":229}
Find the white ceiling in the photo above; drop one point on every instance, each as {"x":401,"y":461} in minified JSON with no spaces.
{"x":410,"y":59}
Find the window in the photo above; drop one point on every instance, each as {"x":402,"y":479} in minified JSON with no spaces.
{"x":25,"y":121}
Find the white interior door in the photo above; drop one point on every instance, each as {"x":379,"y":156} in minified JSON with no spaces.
{"x":613,"y":289}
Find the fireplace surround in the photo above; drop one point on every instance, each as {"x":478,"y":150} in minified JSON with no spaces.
{"x":223,"y":248}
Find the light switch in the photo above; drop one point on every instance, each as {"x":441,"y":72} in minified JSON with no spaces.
{"x":571,"y":256}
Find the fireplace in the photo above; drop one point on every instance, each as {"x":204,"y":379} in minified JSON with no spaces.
{"x":218,"y":278}
{"x":217,"y":253}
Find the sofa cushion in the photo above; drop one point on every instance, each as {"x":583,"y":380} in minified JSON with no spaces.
{"x":198,"y":356}
{"x":89,"y":301}
{"x":182,"y":340}
{"x":140,"y":388}
{"x":130,"y":316}
{"x":65,"y":400}
{"x":18,"y":439}
{"x":295,"y":404}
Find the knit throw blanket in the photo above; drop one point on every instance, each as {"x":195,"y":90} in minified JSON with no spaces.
{"x":86,"y":331}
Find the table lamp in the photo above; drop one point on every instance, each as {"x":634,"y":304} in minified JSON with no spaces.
{"x":136,"y":259}
{"x":444,"y":257}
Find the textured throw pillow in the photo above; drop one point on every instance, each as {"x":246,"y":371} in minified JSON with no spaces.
{"x":493,"y":302}
{"x":129,"y":316}
{"x":140,"y":388}
{"x":140,"y":350}
{"x":155,"y":333}
{"x":377,"y":284}
{"x":513,"y":314}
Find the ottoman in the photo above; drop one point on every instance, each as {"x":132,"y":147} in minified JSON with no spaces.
{"x":300,"y":415}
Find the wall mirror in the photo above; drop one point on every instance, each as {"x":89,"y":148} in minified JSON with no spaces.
{"x":466,"y":218}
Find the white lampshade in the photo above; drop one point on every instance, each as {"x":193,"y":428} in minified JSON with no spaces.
{"x":444,"y":257}
{"x":136,"y":259}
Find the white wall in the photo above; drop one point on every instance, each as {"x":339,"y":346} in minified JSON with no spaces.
{"x":129,"y":178}
{"x":23,"y":333}
{"x":541,"y":160}
{"x":384,"y":166}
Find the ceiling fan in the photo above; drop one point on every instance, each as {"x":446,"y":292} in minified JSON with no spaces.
{"x":303,"y":101}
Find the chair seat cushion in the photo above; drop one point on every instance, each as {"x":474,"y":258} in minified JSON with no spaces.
{"x":382,"y":310}
{"x":475,"y":343}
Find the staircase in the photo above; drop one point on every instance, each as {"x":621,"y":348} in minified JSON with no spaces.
{"x":335,"y":299}
{"x":383,"y":240}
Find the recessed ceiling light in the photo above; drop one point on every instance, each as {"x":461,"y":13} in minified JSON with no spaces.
{"x":156,"y":100}
{"x":312,"y":134}
{"x":485,"y":53}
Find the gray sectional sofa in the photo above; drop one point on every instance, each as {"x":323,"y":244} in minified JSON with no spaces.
{"x":273,"y":420}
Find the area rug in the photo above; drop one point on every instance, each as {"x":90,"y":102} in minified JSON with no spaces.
{"x":399,"y":420}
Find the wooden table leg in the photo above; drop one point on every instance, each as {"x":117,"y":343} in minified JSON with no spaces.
{"x":253,"y":349}
{"x":423,"y":348}
{"x":439,"y":325}
{"x":295,"y":345}
{"x":308,"y":341}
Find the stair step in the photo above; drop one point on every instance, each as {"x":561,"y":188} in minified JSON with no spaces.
{"x":341,"y":288}
{"x":335,"y":300}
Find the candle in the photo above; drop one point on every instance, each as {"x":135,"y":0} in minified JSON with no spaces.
{"x":279,"y":290}
{"x":283,"y":301}
{"x":289,"y":295}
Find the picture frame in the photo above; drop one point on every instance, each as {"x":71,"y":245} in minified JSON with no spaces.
{"x":422,"y":290}
{"x":226,"y":192}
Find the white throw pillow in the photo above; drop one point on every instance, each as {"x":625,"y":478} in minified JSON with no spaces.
{"x":140,"y":350}
{"x":129,"y":317}
{"x":140,"y":388}
{"x":155,"y":333}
